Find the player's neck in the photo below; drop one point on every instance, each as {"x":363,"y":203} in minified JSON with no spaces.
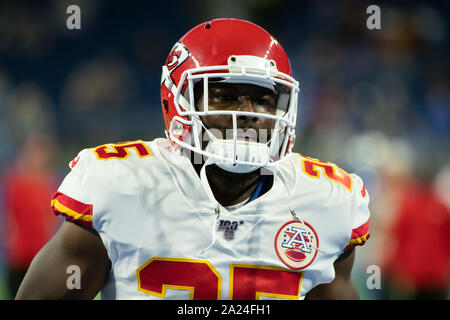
{"x":230,"y":188}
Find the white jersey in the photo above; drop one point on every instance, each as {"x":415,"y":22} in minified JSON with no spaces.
{"x":168,"y":238}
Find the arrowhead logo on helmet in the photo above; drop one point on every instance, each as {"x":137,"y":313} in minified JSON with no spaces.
{"x":177,"y":56}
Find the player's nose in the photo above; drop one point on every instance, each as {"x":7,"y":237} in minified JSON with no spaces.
{"x":246,"y":105}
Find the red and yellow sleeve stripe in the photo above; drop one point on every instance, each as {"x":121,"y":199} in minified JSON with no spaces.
{"x":359,"y":236}
{"x":72,"y":209}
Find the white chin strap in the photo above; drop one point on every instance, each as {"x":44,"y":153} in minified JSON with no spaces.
{"x":242,"y":151}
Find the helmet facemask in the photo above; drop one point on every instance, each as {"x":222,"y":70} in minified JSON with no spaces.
{"x":238,"y":149}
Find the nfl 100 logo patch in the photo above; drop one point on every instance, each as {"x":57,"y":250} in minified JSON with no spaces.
{"x":296,"y":244}
{"x":229,"y":228}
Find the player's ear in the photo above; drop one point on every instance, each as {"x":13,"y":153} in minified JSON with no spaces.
{"x":166,"y":105}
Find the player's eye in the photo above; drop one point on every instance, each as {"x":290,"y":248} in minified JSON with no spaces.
{"x":264,"y":101}
{"x":226,"y":98}
{"x":260,"y":101}
{"x":222,"y":98}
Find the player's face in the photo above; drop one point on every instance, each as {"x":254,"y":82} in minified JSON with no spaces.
{"x":239,"y":97}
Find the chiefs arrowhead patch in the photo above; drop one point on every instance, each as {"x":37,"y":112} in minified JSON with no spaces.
{"x":296,"y":244}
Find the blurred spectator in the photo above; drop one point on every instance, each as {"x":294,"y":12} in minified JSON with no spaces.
{"x":29,"y":110}
{"x":441,"y":185}
{"x":103,"y":82}
{"x":28,"y":184}
{"x":419,"y":264}
{"x":5,"y":134}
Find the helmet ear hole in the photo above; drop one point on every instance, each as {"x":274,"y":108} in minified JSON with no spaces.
{"x":166,"y":105}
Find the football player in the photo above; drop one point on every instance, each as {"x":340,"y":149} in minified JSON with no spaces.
{"x":221,"y":208}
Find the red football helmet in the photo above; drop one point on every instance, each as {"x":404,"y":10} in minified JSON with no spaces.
{"x":233,"y":51}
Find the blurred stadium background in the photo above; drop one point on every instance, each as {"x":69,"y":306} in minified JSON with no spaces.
{"x":375,"y":102}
